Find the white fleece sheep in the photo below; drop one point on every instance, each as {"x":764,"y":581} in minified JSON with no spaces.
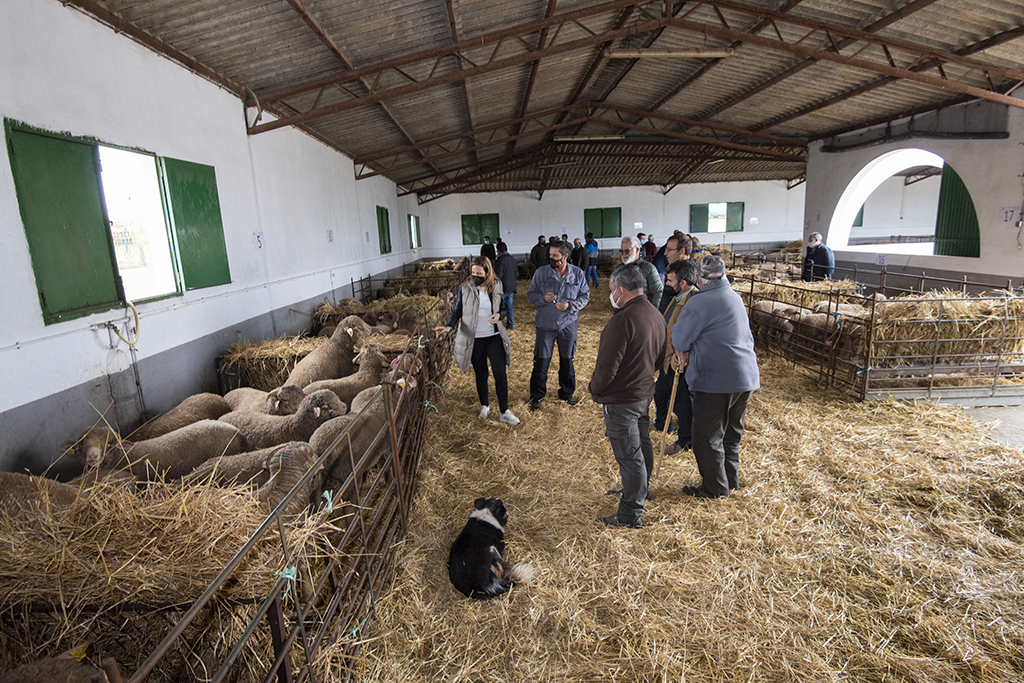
{"x":283,"y":400}
{"x":198,"y":407}
{"x":262,"y":431}
{"x":330,"y":360}
{"x":371,"y":365}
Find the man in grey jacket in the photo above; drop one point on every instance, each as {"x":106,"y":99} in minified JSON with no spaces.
{"x":632,"y":344}
{"x":712,"y":338}
{"x":632,"y":252}
{"x":559,"y":291}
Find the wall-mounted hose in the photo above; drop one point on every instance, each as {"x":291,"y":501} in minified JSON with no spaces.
{"x":135,"y":313}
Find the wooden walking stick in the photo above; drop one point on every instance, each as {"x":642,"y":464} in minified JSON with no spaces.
{"x":668,"y":420}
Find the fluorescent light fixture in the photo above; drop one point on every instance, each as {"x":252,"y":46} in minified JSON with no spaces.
{"x":587,"y":138}
{"x":668,"y":54}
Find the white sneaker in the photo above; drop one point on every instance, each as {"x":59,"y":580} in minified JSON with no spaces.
{"x":508,"y":418}
{"x":484,"y":412}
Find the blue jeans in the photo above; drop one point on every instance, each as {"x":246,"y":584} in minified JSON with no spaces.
{"x":507,"y":298}
{"x":592,"y":275}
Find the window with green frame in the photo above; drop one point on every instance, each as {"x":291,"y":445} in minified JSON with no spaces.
{"x":383,"y":230}
{"x":477,"y":226}
{"x":85,"y":259}
{"x":605,"y":222}
{"x":716,"y":217}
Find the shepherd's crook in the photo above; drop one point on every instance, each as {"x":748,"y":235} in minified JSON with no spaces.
{"x":668,"y":420}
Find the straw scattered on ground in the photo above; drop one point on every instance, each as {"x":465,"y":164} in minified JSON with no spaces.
{"x":869,"y":542}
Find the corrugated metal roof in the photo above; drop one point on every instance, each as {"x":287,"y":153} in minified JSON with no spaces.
{"x":476,"y":95}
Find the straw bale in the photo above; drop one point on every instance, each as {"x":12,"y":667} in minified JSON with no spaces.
{"x":870,"y":542}
{"x":803,"y":294}
{"x":266,"y":365}
{"x":119,"y":569}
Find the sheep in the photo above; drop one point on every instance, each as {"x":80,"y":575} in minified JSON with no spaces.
{"x":21,"y":493}
{"x":386,"y":323}
{"x":356,"y":323}
{"x":409,"y":319}
{"x":371,"y":363}
{"x":262,"y":431}
{"x":850,"y":310}
{"x":365,"y":427}
{"x":771,"y":328}
{"x":777,"y":309}
{"x":68,"y":667}
{"x":283,"y":400}
{"x":243,"y":468}
{"x":326,"y":331}
{"x":406,"y":364}
{"x":171,"y":456}
{"x":203,"y":406}
{"x":287,"y":465}
{"x":331,"y":360}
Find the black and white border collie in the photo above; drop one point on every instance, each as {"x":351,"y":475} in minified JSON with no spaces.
{"x":475,"y":566}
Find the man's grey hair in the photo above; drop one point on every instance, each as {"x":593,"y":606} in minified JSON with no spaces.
{"x":815,"y":236}
{"x":562,"y":247}
{"x":712,"y":268}
{"x":629,"y":277}
{"x":634,"y":242}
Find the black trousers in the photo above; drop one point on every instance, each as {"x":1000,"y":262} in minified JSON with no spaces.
{"x":542,"y":351}
{"x":682,"y":409}
{"x":490,"y":349}
{"x":717,"y":428}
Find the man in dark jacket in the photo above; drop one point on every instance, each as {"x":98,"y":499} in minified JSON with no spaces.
{"x":820,"y":262}
{"x":631,"y":346}
{"x":488,"y":250}
{"x":506,"y":270}
{"x":539,"y":254}
{"x":580,"y":256}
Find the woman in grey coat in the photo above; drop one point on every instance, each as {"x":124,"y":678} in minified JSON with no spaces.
{"x":481,"y":337}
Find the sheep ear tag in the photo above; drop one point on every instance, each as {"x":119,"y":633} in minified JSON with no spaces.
{"x":349,"y":330}
{"x":316,"y":411}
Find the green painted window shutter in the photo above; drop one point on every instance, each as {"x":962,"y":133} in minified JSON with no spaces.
{"x":699,"y":218}
{"x":593,"y":222}
{"x":858,"y":222}
{"x":611,"y":222}
{"x":63,"y":212}
{"x":471,"y":229}
{"x":956,"y":221}
{"x":383,"y":230}
{"x":734,"y":217}
{"x":489,"y":227}
{"x":194,"y":208}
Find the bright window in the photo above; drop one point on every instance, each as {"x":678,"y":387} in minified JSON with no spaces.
{"x":414,"y":231}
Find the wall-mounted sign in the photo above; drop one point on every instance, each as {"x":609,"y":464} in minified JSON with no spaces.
{"x":881,"y":259}
{"x":330,"y":237}
{"x":257,"y":241}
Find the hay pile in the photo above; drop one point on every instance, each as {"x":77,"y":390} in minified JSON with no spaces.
{"x":119,"y":570}
{"x":958,"y":329}
{"x":870,"y":542}
{"x":443,"y":264}
{"x":431,"y":307}
{"x":265,"y":365}
{"x":804,"y":294}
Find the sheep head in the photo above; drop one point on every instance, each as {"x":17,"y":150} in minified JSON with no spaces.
{"x":323,"y":404}
{"x":92,"y":448}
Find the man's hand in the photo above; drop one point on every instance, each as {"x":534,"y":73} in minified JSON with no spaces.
{"x":681,"y":358}
{"x":549,"y":297}
{"x":562,"y":305}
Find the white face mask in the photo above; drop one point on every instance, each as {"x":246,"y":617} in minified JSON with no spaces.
{"x":611,"y":297}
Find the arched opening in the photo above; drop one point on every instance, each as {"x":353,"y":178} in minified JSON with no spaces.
{"x":912,"y":184}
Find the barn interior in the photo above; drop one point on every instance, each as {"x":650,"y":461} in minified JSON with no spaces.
{"x":190,"y":185}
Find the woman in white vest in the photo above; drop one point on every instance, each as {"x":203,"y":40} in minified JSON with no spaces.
{"x":481,"y":336}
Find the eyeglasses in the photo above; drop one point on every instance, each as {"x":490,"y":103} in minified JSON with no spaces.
{"x":625,"y":251}
{"x":667,"y":249}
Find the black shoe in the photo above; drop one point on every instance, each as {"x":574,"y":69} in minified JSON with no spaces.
{"x":571,"y":401}
{"x":613,"y":520}
{"x":673,"y":448}
{"x":535,"y":405}
{"x":698,"y":492}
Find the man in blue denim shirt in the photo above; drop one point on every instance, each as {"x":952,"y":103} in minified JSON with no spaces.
{"x":559,"y":291}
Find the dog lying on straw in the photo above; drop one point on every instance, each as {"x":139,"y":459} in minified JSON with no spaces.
{"x":475,"y":566}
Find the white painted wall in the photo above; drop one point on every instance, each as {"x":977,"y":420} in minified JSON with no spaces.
{"x":62,"y":71}
{"x":771,"y":213}
{"x":896,"y":209}
{"x":991,"y":170}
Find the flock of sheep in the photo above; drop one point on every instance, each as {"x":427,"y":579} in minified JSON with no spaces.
{"x":828,"y":327}
{"x":266,"y":439}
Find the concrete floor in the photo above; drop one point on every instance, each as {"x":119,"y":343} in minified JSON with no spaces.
{"x":1009,"y":427}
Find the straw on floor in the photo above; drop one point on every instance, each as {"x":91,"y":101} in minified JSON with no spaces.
{"x":869,"y":542}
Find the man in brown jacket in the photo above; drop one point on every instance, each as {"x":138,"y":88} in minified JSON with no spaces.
{"x":631,"y":348}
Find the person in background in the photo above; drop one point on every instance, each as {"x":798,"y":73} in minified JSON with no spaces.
{"x":559,"y":293}
{"x":506,"y":270}
{"x":630,"y":250}
{"x":680,"y":283}
{"x":650,"y":248}
{"x":820,"y":262}
{"x":674,"y":250}
{"x":539,"y":253}
{"x":695,"y":246}
{"x":631,"y":347}
{"x":591,"y":247}
{"x":487,"y":249}
{"x":712,"y":339}
{"x":481,"y":337}
{"x":565,"y":238}
{"x":580,"y":257}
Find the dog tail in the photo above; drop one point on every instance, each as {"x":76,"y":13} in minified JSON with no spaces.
{"x":521,"y":573}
